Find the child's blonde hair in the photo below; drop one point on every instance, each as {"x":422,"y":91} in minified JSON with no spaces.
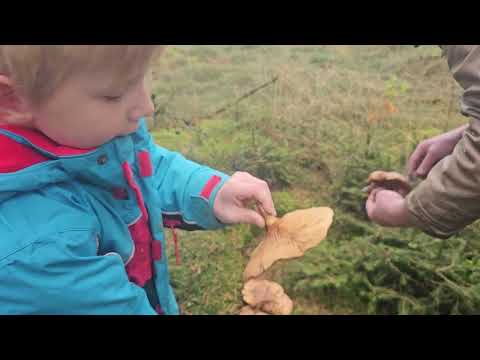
{"x":38,"y":70}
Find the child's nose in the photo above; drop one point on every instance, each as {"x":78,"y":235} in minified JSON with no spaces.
{"x":144,"y":109}
{"x":149,"y":106}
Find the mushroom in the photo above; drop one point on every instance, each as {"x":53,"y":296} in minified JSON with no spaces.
{"x":248,"y":310}
{"x":266,"y":296}
{"x":389,"y":180}
{"x":289,"y":237}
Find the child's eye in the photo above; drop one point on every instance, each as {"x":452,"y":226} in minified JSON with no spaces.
{"x":112,"y":98}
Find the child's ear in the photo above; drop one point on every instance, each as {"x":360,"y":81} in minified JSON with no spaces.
{"x":6,"y":85}
{"x":13,"y":110}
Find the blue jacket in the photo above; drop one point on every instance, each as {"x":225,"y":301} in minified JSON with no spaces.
{"x":72,"y":222}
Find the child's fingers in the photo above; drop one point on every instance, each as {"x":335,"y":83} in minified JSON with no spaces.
{"x":259,"y":208}
{"x":262,"y":195}
{"x":266,"y":201}
{"x":259,"y":191}
{"x":249,"y":188}
{"x":247,"y":216}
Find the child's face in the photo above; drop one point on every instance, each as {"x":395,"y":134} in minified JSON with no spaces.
{"x":84,"y":112}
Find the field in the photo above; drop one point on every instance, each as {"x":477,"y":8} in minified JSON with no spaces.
{"x":314,"y":121}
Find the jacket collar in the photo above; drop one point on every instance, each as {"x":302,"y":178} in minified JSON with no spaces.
{"x":39,"y":142}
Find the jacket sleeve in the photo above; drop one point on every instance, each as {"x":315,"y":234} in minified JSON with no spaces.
{"x":50,"y":277}
{"x":449,"y":199}
{"x":187,"y":190}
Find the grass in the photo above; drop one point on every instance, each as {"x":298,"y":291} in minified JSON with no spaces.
{"x":335,"y":113}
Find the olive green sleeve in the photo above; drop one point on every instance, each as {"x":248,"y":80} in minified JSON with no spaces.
{"x":449,"y":199}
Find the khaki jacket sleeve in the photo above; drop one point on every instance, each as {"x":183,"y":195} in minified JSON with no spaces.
{"x":449,"y":199}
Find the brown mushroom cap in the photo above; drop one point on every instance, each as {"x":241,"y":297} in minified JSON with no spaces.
{"x":267,"y":296}
{"x":389,"y":180}
{"x":289,"y":237}
{"x":283,"y":306}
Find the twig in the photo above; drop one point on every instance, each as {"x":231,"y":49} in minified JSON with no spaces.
{"x":243,"y":97}
{"x":224,"y":108}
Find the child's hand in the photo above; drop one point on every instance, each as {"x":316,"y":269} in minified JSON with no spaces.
{"x":388,"y":208}
{"x":231,"y":203}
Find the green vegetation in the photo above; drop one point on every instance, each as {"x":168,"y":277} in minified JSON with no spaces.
{"x":335,"y":114}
